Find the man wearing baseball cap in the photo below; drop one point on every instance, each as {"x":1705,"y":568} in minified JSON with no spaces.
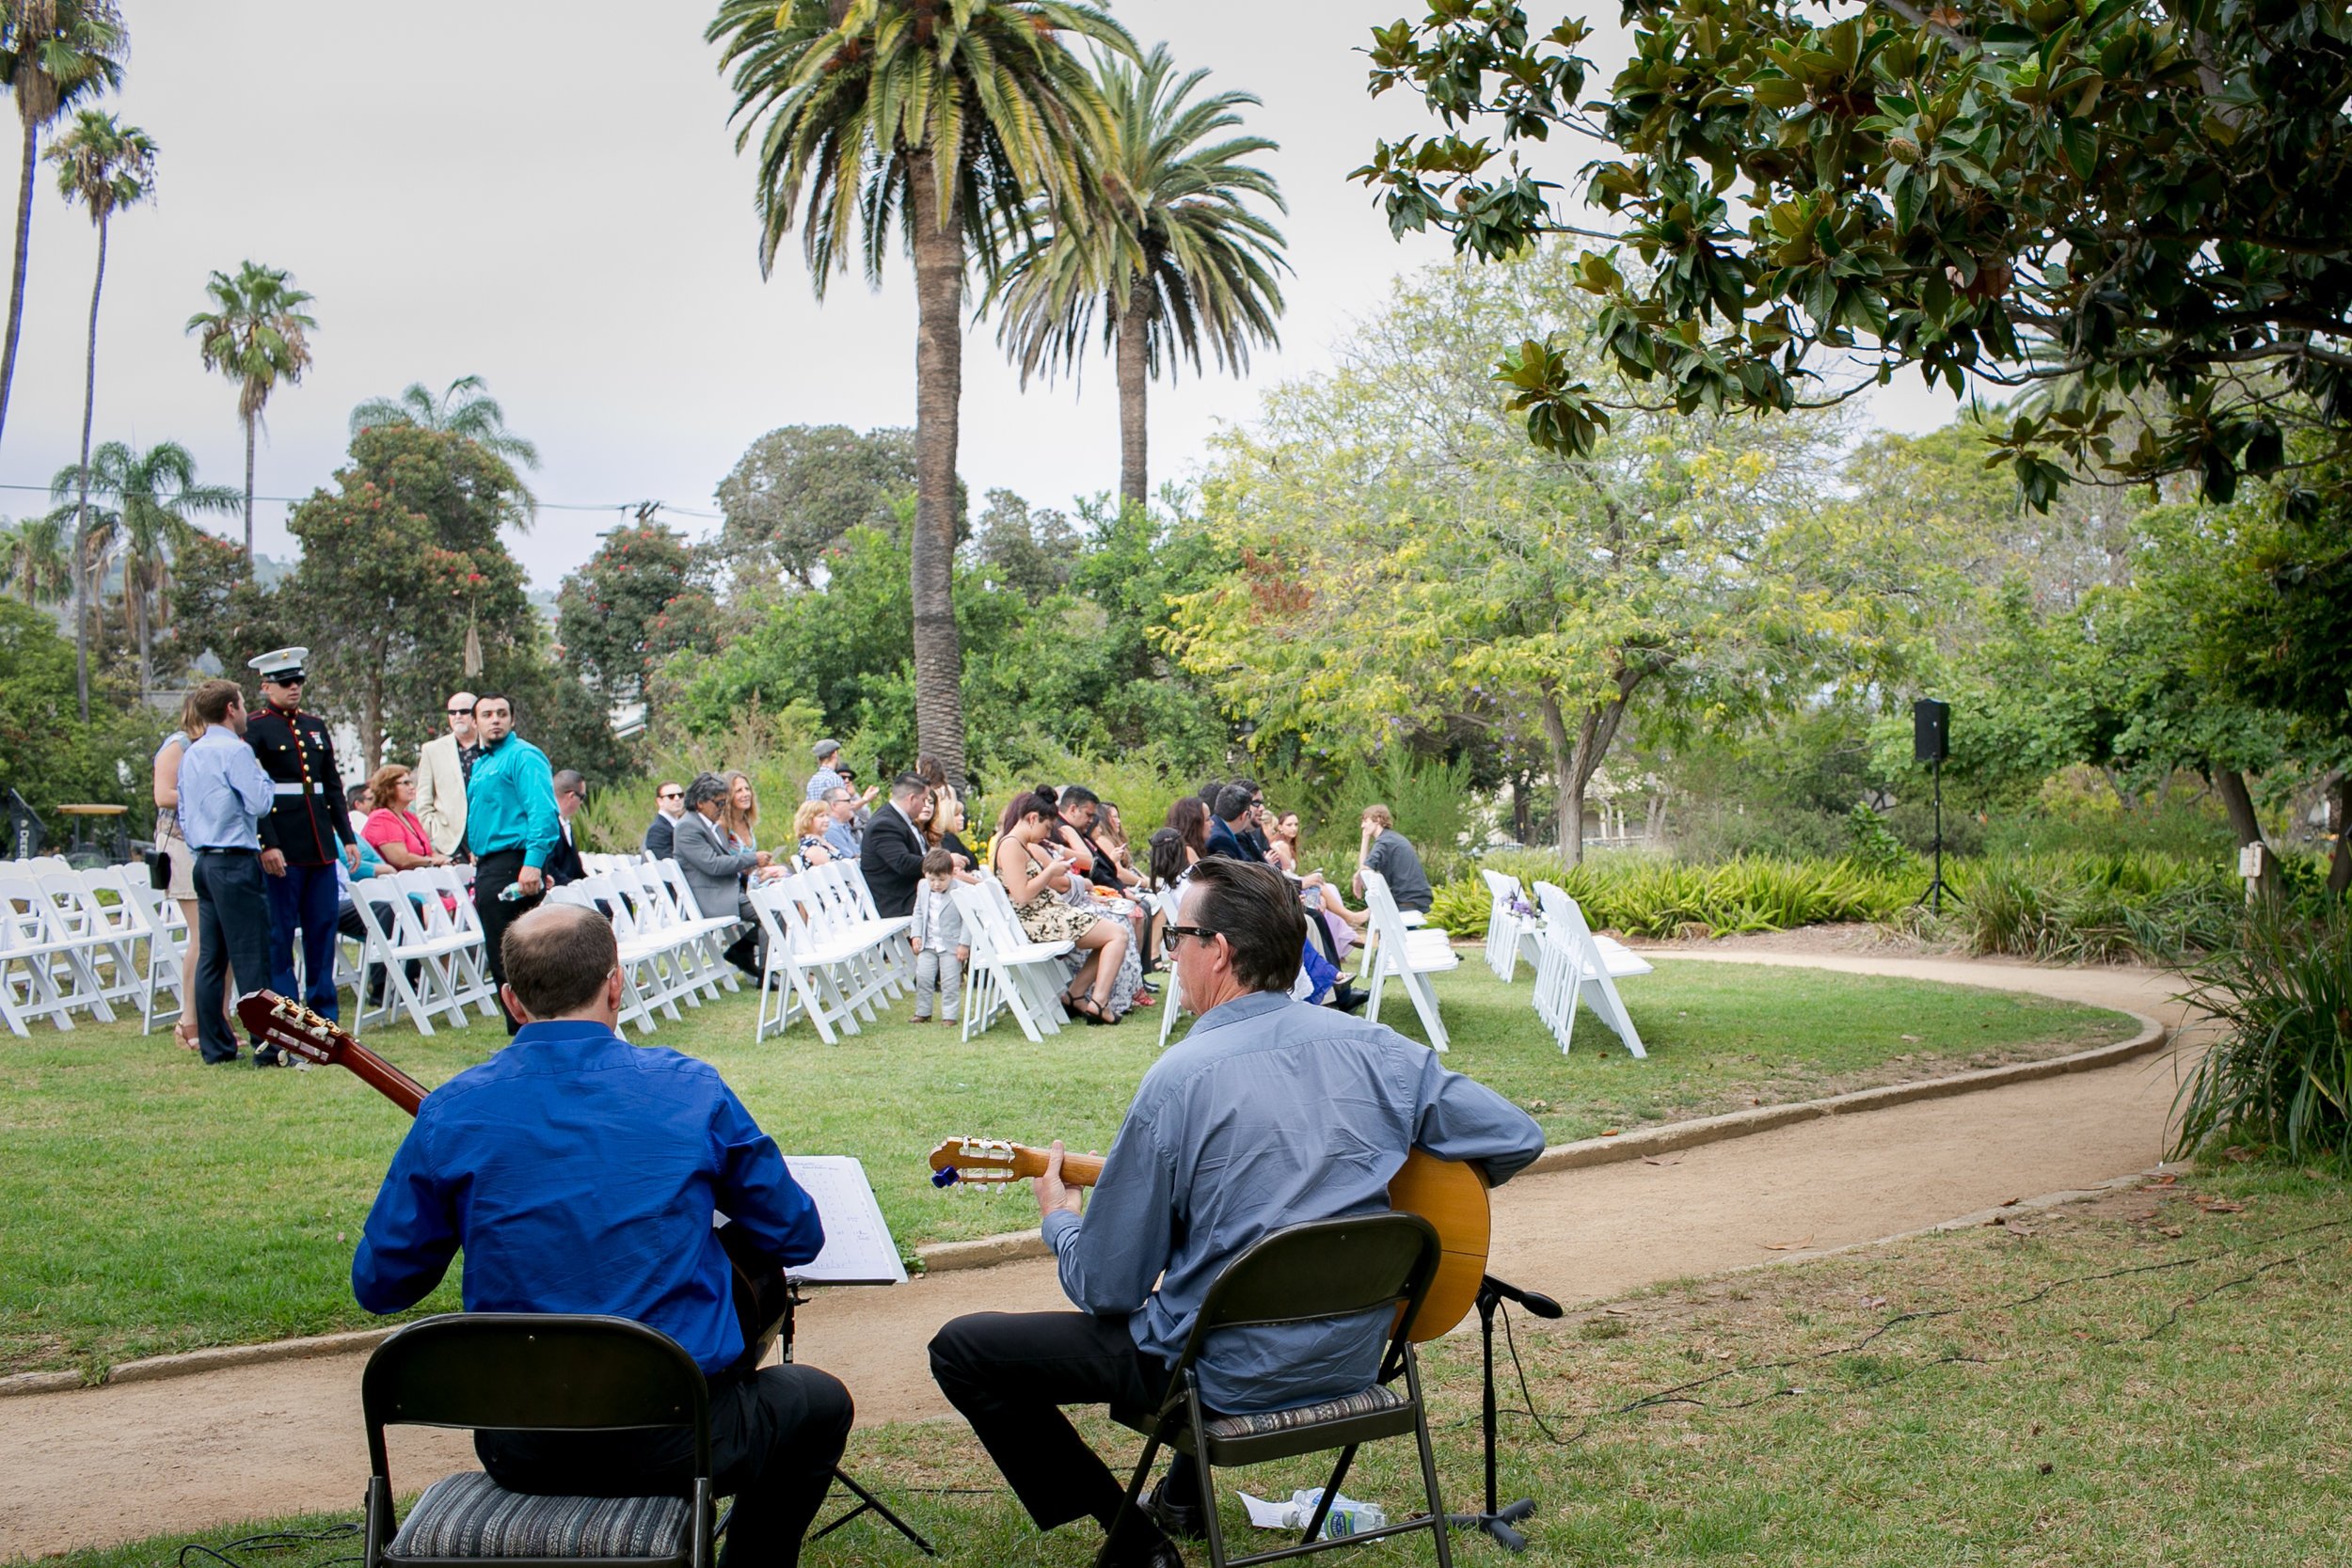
{"x":825,"y":780}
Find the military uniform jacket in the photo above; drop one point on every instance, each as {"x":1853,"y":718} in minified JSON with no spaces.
{"x":309,"y":815}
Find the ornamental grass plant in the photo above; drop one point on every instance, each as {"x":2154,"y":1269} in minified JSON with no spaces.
{"x":2281,"y":1074}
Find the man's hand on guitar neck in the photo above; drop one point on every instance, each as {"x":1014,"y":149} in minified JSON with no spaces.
{"x":1052,"y":1192}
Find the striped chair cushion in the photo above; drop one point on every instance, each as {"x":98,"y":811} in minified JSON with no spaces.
{"x":469,"y":1514}
{"x":1370,"y":1402}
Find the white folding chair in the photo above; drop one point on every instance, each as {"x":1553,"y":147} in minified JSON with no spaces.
{"x":809,"y":970}
{"x":34,"y":947}
{"x":1578,"y":967}
{"x":1410,"y":956}
{"x":1510,"y":935}
{"x":166,"y":938}
{"x":1007,"y":972}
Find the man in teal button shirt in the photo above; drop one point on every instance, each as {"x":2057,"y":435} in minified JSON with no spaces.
{"x":513,"y":825}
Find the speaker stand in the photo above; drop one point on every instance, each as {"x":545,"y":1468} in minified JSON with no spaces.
{"x":1937,"y":887}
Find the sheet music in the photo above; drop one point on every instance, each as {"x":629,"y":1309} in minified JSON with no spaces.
{"x":858,"y":1248}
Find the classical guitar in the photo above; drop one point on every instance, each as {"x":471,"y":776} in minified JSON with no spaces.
{"x":763,"y":1300}
{"x":1451,"y":1195}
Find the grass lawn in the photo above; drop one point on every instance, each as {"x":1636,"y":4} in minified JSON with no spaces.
{"x":2156,"y":1377}
{"x":153,"y":1204}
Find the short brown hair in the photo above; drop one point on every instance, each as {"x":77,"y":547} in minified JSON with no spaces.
{"x":938,"y":863}
{"x":558,"y":958}
{"x":1254,"y":910}
{"x":213,"y":698}
{"x":383,"y":786}
{"x":1378,"y":816}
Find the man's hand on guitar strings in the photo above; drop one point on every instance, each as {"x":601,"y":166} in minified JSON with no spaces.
{"x":1052,"y":1192}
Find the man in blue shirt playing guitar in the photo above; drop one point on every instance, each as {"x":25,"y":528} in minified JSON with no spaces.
{"x":579,"y":1173}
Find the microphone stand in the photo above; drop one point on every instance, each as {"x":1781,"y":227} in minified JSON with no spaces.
{"x":1498,"y":1519}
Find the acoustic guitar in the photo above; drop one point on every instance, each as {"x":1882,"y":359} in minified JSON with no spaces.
{"x":1451,"y":1195}
{"x":763,"y":1299}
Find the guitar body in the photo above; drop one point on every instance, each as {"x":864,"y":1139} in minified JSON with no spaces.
{"x":763,"y":1298}
{"x":1451,"y":1195}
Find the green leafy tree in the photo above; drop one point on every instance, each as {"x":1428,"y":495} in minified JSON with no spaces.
{"x":47,"y":753}
{"x":222,"y":613}
{"x":1410,"y":567}
{"x":797,"y":492}
{"x":54,"y":54}
{"x":405,"y":581}
{"x":151,"y":497}
{"x":34,"y":559}
{"x":1024,"y":550}
{"x":257,"y":335}
{"x":106,"y":166}
{"x":639,"y":599}
{"x":2143,"y":203}
{"x":465,"y":408}
{"x":1159,"y":241}
{"x":941,"y":121}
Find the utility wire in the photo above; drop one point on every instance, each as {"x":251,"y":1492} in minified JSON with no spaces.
{"x":544,"y":506}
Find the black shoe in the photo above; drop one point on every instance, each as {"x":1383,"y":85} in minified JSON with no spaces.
{"x":1159,"y":1552}
{"x":268,"y":1056}
{"x":1177,"y":1519}
{"x":1347,"y":999}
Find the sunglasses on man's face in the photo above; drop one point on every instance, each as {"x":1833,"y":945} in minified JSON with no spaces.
{"x":671,"y":795}
{"x":1200,"y":934}
{"x":461,"y":713}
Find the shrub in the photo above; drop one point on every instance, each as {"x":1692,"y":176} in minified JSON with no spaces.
{"x":2096,"y":908}
{"x":2281,"y":1072}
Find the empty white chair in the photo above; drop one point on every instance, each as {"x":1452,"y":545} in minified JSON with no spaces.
{"x":1510,"y":934}
{"x":1007,"y":972}
{"x":1410,"y":956}
{"x":1575,"y":966}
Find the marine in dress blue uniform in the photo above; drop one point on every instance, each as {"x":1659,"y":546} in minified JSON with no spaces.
{"x":307,"y":829}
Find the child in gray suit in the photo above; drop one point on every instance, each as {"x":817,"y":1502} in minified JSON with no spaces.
{"x":937,"y":932}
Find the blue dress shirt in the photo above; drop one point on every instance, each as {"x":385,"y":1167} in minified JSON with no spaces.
{"x":1269,"y":1112}
{"x":510,"y":802}
{"x":223,"y":792}
{"x":579,"y":1173}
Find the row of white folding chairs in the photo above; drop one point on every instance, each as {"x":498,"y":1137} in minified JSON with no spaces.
{"x":1008,"y":972}
{"x":830,"y":956}
{"x":73,"y":940}
{"x":424,"y":946}
{"x":1408,"y":954}
{"x":671,"y":952}
{"x":1511,"y":934}
{"x":1572,"y":966}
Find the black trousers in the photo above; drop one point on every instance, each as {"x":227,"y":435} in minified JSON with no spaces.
{"x":1011,"y":1372}
{"x":776,"y":1437}
{"x":232,"y":926}
{"x":493,"y":874}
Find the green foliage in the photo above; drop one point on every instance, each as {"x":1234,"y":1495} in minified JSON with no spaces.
{"x":2096,"y":909}
{"x":2129,"y":198}
{"x":1874,"y":848}
{"x":2281,"y":1071}
{"x":465,"y":407}
{"x":638,"y":600}
{"x":219,"y":606}
{"x":795,"y":494}
{"x":770,"y":745}
{"x":48,"y":754}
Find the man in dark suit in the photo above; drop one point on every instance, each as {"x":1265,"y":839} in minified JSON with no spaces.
{"x":892,"y":854}
{"x":564,"y":861}
{"x":661,"y":833}
{"x":1234,"y":808}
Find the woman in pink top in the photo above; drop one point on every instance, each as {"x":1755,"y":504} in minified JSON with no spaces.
{"x":392,"y":827}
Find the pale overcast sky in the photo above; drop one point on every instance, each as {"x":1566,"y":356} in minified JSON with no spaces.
{"x":546,"y":193}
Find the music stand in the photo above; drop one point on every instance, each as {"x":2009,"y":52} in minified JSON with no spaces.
{"x":858,"y":1251}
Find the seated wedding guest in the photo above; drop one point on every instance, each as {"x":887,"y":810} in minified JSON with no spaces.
{"x":1036,"y":872}
{"x":741,"y":819}
{"x":945,"y":830}
{"x":1282,"y":842}
{"x":808,"y":833}
{"x":393,"y":829}
{"x":1190,"y":820}
{"x":890,"y":856}
{"x":563,"y":863}
{"x":1234,"y":811}
{"x":669,"y":805}
{"x":1252,"y":832}
{"x":715,"y":870}
{"x":1081,"y":812}
{"x":841,"y":823}
{"x":864,"y":798}
{"x":1391,"y":854}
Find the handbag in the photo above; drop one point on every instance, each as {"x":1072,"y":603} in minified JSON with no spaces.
{"x":159,"y":870}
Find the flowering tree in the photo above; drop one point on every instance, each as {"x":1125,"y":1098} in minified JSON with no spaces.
{"x":639,"y":598}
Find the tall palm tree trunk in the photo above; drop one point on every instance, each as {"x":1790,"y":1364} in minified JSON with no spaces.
{"x":1134,"y":378}
{"x":250,"y":421}
{"x":938,"y":396}
{"x":81,"y":502}
{"x":16,"y":284}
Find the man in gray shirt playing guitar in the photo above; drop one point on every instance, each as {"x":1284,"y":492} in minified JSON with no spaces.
{"x":1269,"y":1112}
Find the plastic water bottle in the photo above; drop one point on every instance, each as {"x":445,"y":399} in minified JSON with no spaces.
{"x":510,"y":894}
{"x":1347,"y":1516}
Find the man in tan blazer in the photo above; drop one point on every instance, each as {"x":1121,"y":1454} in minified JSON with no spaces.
{"x":442,"y":769}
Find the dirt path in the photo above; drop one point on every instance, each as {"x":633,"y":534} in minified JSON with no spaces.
{"x":114,"y":1464}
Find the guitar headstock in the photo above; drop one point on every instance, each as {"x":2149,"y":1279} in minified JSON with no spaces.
{"x":976,"y":1163}
{"x":290,"y":1026}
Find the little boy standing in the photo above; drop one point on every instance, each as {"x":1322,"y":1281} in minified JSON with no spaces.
{"x":937,"y":932}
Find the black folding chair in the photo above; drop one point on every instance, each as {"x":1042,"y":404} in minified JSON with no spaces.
{"x":1327,"y":1269}
{"x":532,"y":1371}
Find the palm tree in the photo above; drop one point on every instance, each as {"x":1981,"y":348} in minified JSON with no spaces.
{"x":1162,"y":246}
{"x":467,"y":409}
{"x":52,"y":54}
{"x":33,"y":558}
{"x":256,"y":337}
{"x":106,"y":166}
{"x":153,"y":495}
{"x":942,"y":118}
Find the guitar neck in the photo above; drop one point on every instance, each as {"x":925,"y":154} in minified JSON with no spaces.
{"x":384,"y":1078}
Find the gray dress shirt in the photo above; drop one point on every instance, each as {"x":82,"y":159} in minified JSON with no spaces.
{"x":1269,"y":1112}
{"x":223,"y":792}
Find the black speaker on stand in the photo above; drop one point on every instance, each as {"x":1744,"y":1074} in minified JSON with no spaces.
{"x":1931,"y":744}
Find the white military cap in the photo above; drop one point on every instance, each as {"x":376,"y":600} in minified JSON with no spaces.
{"x":278,"y":663}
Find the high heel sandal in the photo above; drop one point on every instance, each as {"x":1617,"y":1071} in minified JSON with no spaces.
{"x":1085,"y":1008}
{"x":186,"y":1035}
